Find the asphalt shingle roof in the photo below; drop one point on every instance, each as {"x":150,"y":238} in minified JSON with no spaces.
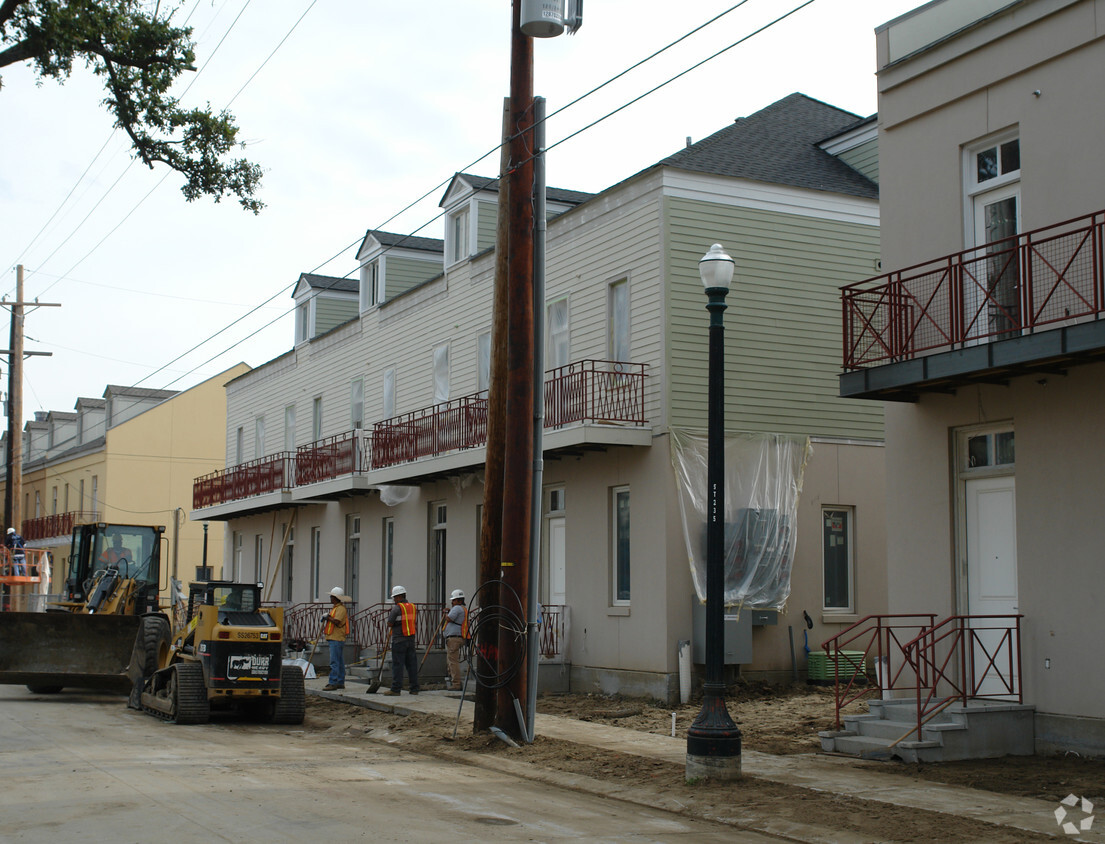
{"x":329,"y":282}
{"x":570,"y":197}
{"x":778,"y":144}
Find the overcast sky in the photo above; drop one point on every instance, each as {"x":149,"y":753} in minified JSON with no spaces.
{"x":363,"y":108}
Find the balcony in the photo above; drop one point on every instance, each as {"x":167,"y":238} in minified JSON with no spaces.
{"x":589,"y":404}
{"x":57,"y":526}
{"x":1029,"y":303}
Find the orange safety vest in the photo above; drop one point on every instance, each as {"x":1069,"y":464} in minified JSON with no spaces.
{"x":331,"y":626}
{"x":464,"y":626}
{"x":408,"y":614}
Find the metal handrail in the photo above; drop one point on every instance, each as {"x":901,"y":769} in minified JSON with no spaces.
{"x":347,"y":453}
{"x":57,"y":524}
{"x":1009,"y":287}
{"x":949,"y":651}
{"x":275,"y":473}
{"x":882,"y":639}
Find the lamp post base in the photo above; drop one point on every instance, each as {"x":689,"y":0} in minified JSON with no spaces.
{"x":713,"y":743}
{"x":714,"y":767}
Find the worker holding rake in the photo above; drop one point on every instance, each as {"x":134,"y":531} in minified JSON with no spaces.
{"x":335,"y":630}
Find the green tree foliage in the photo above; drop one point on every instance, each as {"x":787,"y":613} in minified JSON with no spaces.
{"x":139,"y":54}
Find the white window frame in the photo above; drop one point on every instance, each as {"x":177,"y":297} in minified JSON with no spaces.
{"x":239,"y":444}
{"x":303,"y":322}
{"x":371,"y":287}
{"x":316,"y":562}
{"x":1003,"y":185}
{"x":236,"y":557}
{"x":483,"y":361}
{"x":258,"y":437}
{"x":289,"y":428}
{"x":849,"y":530}
{"x":441,"y":373}
{"x":558,"y":342}
{"x":387,"y":555}
{"x":618,"y":320}
{"x":388,"y":393}
{"x":356,"y":403}
{"x":316,"y":419}
{"x":616,"y":599}
{"x":258,"y":557}
{"x":459,"y":235}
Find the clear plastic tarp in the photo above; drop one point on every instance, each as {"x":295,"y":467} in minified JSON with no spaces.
{"x":763,"y":481}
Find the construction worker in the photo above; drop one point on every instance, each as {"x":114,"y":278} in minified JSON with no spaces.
{"x":456,"y":636}
{"x":335,"y":631}
{"x":16,"y":545}
{"x":402,"y":620}
{"x":115,"y":554}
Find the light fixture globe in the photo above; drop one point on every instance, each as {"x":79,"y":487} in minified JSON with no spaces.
{"x":716,"y":269}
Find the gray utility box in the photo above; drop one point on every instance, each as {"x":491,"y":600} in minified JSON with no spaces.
{"x":738,"y":636}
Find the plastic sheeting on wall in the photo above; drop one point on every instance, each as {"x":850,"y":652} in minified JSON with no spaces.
{"x":763,"y":480}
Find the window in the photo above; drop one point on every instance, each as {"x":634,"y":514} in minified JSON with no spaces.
{"x":836,"y":558}
{"x":316,"y":419}
{"x":54,"y":502}
{"x":303,"y":323}
{"x":387,"y":555}
{"x":372,"y":292}
{"x":289,"y":428}
{"x":236,"y":559}
{"x":95,"y":493}
{"x":259,"y":437}
{"x":352,"y":555}
{"x":990,"y":450}
{"x":619,"y":321}
{"x":258,"y":558}
{"x":80,"y":506}
{"x":619,"y":552}
{"x":441,"y":373}
{"x":458,"y":236}
{"x":38,"y":504}
{"x":483,"y":361}
{"x":436,"y":589}
{"x":556,"y":334}
{"x":239,"y":444}
{"x":65,"y":505}
{"x":316,"y":561}
{"x":289,"y":554}
{"x":389,"y":393}
{"x":996,"y":162}
{"x":356,"y":403}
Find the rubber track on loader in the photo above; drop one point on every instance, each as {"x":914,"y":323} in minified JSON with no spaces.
{"x":292,"y":705}
{"x":192,"y":706}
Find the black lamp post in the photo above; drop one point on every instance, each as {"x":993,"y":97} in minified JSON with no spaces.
{"x":713,"y":740}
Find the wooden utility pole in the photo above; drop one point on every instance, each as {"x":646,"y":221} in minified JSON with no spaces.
{"x":13,"y":489}
{"x":518,"y":454}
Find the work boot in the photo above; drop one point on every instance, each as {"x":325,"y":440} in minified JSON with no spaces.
{"x":414,"y":691}
{"x":330,"y":687}
{"x":391,"y":693}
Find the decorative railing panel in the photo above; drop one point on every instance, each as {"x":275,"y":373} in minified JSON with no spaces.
{"x":59,"y":524}
{"x":1004,"y":289}
{"x":333,"y":457}
{"x":275,"y":473}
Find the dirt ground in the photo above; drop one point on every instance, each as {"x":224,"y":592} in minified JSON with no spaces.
{"x":773,"y":720}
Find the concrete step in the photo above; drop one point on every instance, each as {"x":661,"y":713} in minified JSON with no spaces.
{"x":874,"y":748}
{"x":891,"y":730}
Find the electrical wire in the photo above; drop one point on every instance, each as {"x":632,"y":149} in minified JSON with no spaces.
{"x":499,"y":617}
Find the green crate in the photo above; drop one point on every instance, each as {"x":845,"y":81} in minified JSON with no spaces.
{"x":820,"y":666}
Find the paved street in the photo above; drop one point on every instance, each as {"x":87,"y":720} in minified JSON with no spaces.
{"x":79,"y":767}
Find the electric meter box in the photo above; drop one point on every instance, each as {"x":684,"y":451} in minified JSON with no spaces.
{"x":738,"y":635}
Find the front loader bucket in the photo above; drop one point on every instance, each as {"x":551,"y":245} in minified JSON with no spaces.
{"x":59,"y":649}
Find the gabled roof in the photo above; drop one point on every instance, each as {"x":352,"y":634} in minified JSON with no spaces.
{"x":779,"y":144}
{"x":327,"y":282}
{"x":389,"y":240}
{"x":138,"y":392}
{"x":84,"y":402}
{"x":478,"y":183}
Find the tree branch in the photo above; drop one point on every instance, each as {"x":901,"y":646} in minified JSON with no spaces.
{"x":7,"y":9}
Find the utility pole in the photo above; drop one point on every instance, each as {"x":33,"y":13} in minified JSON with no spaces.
{"x":13,"y":489}
{"x":518,"y":456}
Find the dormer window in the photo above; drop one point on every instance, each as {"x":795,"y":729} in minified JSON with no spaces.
{"x":458,"y":236}
{"x":372,"y":289}
{"x":303,"y":323}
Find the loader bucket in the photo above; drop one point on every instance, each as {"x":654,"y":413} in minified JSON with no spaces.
{"x":61,"y":649}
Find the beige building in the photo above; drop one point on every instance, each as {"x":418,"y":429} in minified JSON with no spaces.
{"x":985,"y":340}
{"x":356,"y":458}
{"x":127,"y":458}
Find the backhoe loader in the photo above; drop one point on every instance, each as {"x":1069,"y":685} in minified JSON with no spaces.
{"x":100,"y":634}
{"x":226,"y":653}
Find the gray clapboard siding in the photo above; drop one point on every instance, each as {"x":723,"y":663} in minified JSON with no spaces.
{"x":402,"y":273}
{"x":333,"y":311}
{"x":486,"y":224}
{"x":783,"y":347}
{"x":864,"y":158}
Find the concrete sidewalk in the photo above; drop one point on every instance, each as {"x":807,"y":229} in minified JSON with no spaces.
{"x":844,"y":776}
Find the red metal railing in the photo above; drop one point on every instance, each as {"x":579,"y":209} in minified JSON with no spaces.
{"x":588,"y":390}
{"x":431,"y":430}
{"x":275,"y":473}
{"x":1013,"y":286}
{"x":883,"y":639}
{"x":344,"y":454}
{"x":967,"y":657}
{"x":59,"y":524}
{"x":368,"y":626}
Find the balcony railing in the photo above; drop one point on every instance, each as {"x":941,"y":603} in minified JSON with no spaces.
{"x":1036,"y":280}
{"x":586,"y":391}
{"x":344,"y":454}
{"x":59,"y":524}
{"x":275,"y":473}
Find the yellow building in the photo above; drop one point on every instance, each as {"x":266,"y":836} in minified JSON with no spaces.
{"x":128,"y":458}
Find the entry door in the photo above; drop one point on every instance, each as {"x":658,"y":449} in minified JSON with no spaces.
{"x":992,"y":292}
{"x":352,"y":555}
{"x":991,"y":569}
{"x":557,"y":561}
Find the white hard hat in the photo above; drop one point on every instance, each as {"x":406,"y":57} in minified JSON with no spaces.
{"x":338,"y":593}
{"x":397,"y":590}
{"x":457,"y":593}
{"x":11,"y":530}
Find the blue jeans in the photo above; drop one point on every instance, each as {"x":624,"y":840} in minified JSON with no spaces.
{"x":19,"y":563}
{"x":337,"y":663}
{"x":404,"y":654}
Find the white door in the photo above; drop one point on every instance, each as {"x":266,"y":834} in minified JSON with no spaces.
{"x":557,"y":561}
{"x":991,"y":284}
{"x":992,"y":576}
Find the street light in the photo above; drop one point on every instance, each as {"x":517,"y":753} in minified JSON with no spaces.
{"x":713,"y":740}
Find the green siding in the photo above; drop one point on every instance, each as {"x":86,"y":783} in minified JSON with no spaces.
{"x":783,"y":347}
{"x":486,"y":213}
{"x":864,"y":158}
{"x":401,"y":274}
{"x":330,"y":312}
